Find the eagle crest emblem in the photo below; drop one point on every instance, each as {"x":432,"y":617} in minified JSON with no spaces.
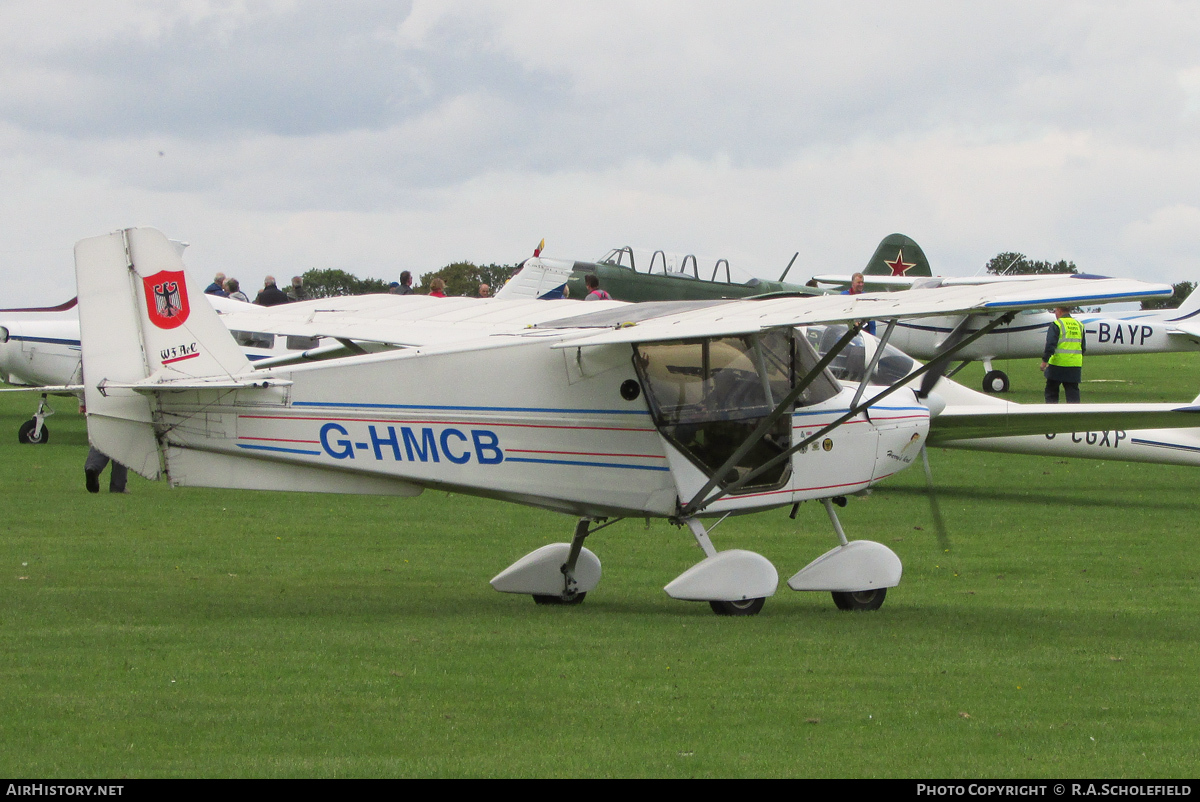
{"x":166,"y":298}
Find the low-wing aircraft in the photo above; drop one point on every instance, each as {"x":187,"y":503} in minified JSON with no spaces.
{"x":899,"y":264}
{"x":684,"y":411}
{"x":619,"y":276}
{"x":40,"y":353}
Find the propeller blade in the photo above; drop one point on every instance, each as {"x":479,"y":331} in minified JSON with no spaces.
{"x":940,"y":365}
{"x":938,"y":522}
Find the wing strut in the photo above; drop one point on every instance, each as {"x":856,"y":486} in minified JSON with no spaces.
{"x":862,"y":386}
{"x":700,"y":501}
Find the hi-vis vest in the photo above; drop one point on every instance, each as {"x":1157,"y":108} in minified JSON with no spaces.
{"x":1069,"y":353}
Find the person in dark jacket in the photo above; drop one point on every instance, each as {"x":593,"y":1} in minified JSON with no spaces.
{"x":270,"y":295}
{"x":217,"y":287}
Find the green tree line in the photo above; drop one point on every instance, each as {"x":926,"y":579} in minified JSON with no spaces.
{"x":462,"y":279}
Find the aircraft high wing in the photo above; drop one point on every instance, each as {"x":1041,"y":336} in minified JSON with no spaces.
{"x":601,"y":410}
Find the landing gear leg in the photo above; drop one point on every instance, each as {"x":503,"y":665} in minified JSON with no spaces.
{"x":857,"y":573}
{"x":34,"y":431}
{"x":560,"y":573}
{"x":571,"y":593}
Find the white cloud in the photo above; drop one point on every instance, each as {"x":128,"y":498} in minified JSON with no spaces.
{"x":379,"y":138}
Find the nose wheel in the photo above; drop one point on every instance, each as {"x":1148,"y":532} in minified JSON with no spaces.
{"x":744,"y":607}
{"x":32,"y":434}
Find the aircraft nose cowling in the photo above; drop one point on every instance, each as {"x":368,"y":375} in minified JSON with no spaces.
{"x":934,"y":402}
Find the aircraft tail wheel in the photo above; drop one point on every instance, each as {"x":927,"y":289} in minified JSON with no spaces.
{"x":996,"y":381}
{"x":558,"y":600}
{"x":25,"y":433}
{"x":743,"y":607}
{"x":860,"y":600}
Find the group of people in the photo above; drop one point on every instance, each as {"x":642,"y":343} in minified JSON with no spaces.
{"x":437,"y":287}
{"x":269,"y":295}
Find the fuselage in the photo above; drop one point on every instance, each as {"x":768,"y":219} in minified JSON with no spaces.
{"x":604,"y":431}
{"x":1025,"y":336}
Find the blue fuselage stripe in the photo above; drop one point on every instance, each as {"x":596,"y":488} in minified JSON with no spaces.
{"x":277,"y":448}
{"x":1177,"y":446}
{"x":51,"y":340}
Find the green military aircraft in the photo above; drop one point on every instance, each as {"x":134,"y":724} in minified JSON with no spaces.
{"x":620,"y":276}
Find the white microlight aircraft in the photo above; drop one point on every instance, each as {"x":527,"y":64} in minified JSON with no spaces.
{"x":603,"y":410}
{"x":900,"y":264}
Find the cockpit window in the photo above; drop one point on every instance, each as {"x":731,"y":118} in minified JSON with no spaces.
{"x":707,"y":396}
{"x":254,"y":339}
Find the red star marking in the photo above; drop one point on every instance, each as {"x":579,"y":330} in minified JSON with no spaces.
{"x":899,"y":266}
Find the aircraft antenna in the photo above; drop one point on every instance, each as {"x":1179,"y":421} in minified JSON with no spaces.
{"x":789,"y":266}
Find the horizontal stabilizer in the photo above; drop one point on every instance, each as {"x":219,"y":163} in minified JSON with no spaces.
{"x":175,"y":386}
{"x":52,"y":389}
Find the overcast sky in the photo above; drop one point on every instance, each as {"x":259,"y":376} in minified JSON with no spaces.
{"x":381,"y":136}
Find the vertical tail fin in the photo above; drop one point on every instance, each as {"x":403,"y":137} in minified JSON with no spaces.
{"x":898,"y":255}
{"x":538,"y":278}
{"x":1189,"y":307}
{"x":141,"y":316}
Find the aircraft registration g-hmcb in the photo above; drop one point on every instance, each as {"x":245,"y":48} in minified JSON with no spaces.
{"x":900,"y":264}
{"x":603,"y":410}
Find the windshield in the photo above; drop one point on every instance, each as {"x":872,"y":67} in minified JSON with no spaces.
{"x":851,"y":363}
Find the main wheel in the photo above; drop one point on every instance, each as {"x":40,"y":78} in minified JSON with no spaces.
{"x":559,"y":600}
{"x":25,"y":433}
{"x":996,"y":381}
{"x":860,"y":599}
{"x":743,"y":607}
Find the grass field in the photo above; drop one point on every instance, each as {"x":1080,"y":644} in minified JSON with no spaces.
{"x":198,"y":633}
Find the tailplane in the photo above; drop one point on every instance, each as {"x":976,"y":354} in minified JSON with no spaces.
{"x":142,"y":318}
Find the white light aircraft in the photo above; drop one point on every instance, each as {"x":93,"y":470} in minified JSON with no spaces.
{"x":601,"y":411}
{"x":889,"y":365}
{"x":900,"y":264}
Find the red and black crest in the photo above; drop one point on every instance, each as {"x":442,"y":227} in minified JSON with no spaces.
{"x":166,"y":299}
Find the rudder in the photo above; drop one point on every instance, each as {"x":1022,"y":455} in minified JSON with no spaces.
{"x":141,"y":317}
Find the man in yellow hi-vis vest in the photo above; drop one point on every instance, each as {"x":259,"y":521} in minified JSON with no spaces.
{"x":1062,"y":360}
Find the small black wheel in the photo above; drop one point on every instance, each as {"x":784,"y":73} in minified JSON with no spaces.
{"x":559,"y":600}
{"x":996,"y":381}
{"x":860,"y":599}
{"x":25,"y":433}
{"x":743,"y":607}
